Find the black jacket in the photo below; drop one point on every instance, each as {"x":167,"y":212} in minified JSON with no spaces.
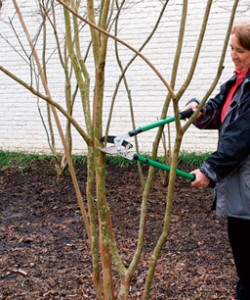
{"x":234,"y":134}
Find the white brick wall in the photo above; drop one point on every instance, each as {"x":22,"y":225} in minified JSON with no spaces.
{"x":21,"y":128}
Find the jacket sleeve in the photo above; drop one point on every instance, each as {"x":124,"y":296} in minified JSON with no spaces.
{"x":210,"y":118}
{"x":233,"y":149}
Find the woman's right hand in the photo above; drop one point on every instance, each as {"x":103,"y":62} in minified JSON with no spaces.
{"x":201,"y":180}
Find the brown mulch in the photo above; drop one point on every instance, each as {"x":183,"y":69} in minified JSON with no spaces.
{"x":44,"y":252}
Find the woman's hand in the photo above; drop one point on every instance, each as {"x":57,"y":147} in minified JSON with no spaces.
{"x":201,"y":180}
{"x":193,"y":105}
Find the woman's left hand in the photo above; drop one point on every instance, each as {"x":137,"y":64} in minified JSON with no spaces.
{"x":201,"y":180}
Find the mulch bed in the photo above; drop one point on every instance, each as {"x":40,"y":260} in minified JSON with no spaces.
{"x":44,"y":252}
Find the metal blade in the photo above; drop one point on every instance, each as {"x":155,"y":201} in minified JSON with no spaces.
{"x":110,"y":150}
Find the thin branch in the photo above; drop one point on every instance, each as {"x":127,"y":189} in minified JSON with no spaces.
{"x":197,"y":51}
{"x":123,"y":43}
{"x":50,"y":101}
{"x":220,"y":66}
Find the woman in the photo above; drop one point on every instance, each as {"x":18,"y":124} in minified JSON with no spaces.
{"x":229,"y":166}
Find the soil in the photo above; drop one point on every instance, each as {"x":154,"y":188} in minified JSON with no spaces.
{"x":44,"y":251}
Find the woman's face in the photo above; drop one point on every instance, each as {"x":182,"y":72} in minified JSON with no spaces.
{"x":240,"y":55}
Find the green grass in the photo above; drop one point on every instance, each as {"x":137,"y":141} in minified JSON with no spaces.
{"x":10,"y":159}
{"x":20,"y":159}
{"x":193,"y":159}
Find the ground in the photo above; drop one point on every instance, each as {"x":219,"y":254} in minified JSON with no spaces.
{"x":44,"y":252}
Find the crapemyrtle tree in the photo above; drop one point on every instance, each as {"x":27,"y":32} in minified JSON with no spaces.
{"x":112,"y":276}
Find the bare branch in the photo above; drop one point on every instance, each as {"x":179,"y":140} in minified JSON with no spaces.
{"x":50,"y":101}
{"x":123,"y":43}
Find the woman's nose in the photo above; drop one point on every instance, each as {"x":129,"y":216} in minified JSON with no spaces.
{"x":233,"y":53}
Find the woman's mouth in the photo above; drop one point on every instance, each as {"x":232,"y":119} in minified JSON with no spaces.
{"x":236,"y":62}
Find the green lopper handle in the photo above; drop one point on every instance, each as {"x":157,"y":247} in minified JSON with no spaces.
{"x":183,"y":115}
{"x":164,"y":167}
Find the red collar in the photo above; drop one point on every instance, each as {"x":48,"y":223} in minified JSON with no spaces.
{"x":241,"y":75}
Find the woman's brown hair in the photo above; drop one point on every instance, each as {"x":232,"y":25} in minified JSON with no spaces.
{"x":242,"y":31}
